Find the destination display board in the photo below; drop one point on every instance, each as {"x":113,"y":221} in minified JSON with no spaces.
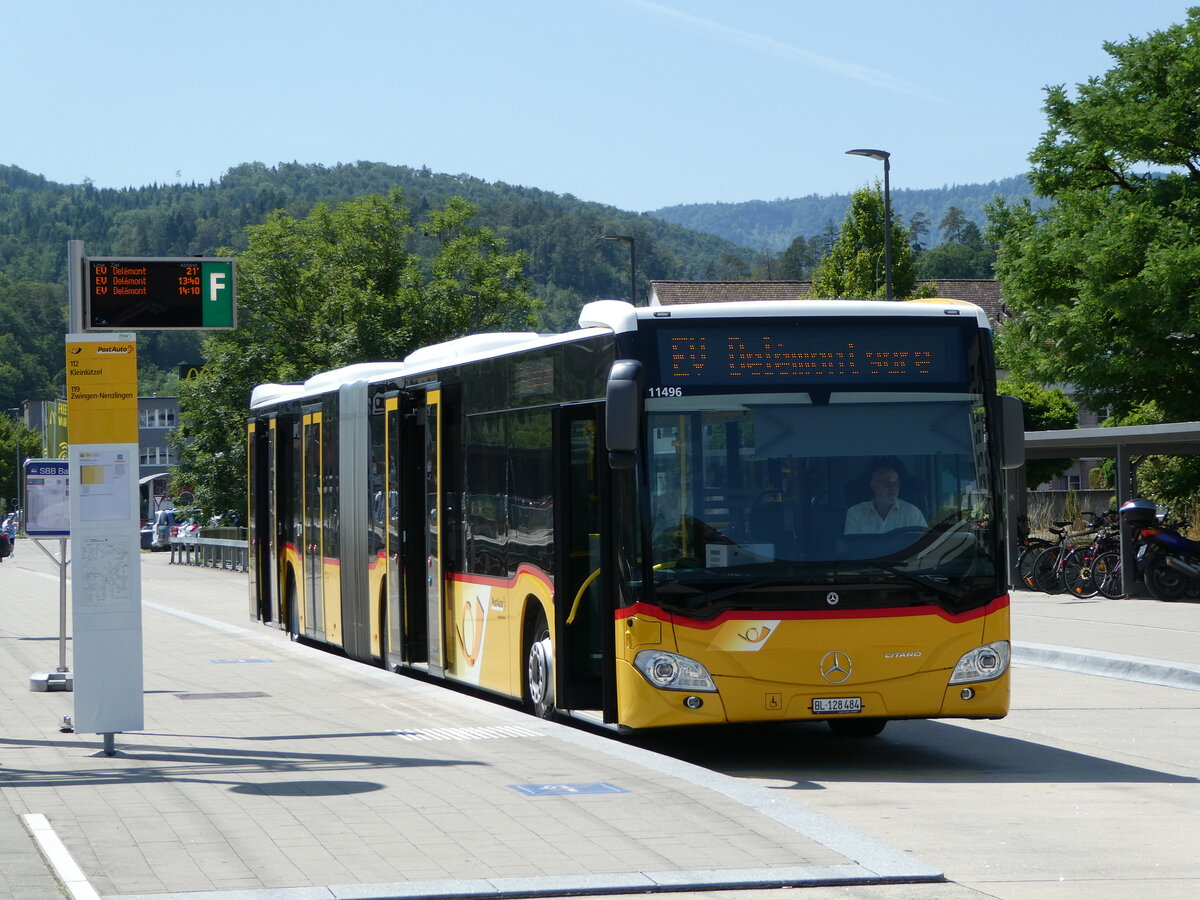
{"x":159,"y":293}
{"x":857,"y":353}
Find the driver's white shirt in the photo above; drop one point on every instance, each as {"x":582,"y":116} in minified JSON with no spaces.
{"x":863,"y":518}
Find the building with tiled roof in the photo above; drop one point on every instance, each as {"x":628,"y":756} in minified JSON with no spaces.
{"x":983,"y":292}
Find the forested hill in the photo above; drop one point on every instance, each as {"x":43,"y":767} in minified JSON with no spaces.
{"x":774,"y":224}
{"x":569,"y":261}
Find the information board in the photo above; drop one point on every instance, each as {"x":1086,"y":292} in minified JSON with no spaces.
{"x":158,"y":293}
{"x":47,"y":499}
{"x":102,"y":388}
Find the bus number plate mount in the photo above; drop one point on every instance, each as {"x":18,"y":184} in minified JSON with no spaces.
{"x":837,"y":705}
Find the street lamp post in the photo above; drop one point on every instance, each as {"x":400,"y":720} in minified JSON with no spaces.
{"x":632,"y":263}
{"x":885,"y":157}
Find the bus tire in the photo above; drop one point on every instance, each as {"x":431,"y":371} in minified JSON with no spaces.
{"x":856,"y":728}
{"x":539,"y":669}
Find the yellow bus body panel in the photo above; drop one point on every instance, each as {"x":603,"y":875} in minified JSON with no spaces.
{"x":768,"y":666}
{"x":485,"y":617}
{"x":331,"y":597}
{"x":376,"y":574}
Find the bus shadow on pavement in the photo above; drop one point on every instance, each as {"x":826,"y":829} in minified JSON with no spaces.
{"x":913,"y":750}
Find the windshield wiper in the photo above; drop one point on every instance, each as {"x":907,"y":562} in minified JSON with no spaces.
{"x":699,"y":597}
{"x":939,"y":584}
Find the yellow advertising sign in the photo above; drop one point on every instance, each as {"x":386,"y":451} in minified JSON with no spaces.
{"x":102,"y":388}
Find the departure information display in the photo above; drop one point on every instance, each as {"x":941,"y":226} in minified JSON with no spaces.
{"x":855,"y":353}
{"x":159,"y":293}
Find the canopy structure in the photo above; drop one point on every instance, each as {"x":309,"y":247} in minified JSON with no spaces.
{"x":1125,"y":445}
{"x":1174,"y":439}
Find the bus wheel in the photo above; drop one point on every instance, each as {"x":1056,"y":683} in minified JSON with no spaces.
{"x":539,"y":670}
{"x":859,"y":728}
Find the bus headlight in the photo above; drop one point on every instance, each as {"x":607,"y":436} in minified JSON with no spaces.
{"x":985,"y":663}
{"x":672,"y":672}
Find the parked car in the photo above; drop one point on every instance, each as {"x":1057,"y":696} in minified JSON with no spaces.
{"x":174,"y":524}
{"x":147,"y":535}
{"x":164,"y":528}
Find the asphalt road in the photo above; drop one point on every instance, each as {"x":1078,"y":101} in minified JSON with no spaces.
{"x":1090,"y":788}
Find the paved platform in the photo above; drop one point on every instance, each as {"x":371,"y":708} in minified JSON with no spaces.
{"x":1135,"y":640}
{"x":268,"y":769}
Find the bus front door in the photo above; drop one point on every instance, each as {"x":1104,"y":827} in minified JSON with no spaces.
{"x":583,"y":610}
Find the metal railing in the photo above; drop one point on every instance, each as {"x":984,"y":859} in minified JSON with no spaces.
{"x":213,"y":548}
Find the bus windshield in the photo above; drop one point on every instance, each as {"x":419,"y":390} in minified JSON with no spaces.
{"x":769,"y":501}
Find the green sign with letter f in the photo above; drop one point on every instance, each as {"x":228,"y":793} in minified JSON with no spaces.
{"x":217,"y":291}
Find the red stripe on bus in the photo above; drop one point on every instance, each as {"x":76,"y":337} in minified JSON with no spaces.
{"x":507,"y":583}
{"x":996,"y":605}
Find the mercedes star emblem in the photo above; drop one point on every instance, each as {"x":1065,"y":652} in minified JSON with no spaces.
{"x":836,"y":666}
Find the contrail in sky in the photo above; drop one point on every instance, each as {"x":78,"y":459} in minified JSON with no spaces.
{"x":779,"y":48}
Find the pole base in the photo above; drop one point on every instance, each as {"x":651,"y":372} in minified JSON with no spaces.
{"x":51,"y":681}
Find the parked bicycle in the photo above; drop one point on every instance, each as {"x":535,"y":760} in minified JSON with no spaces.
{"x":1067,"y":563}
{"x":1030,"y":548}
{"x":1087,"y":566}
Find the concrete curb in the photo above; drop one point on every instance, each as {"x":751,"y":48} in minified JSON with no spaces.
{"x":562,"y":886}
{"x":1109,"y":665}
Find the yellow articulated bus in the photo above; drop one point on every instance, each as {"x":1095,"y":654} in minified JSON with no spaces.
{"x":726,"y":512}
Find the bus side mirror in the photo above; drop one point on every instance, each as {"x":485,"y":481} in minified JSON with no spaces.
{"x":1012,"y":433}
{"x":623,"y":413}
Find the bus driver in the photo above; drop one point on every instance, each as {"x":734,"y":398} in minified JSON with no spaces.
{"x":885,"y":511}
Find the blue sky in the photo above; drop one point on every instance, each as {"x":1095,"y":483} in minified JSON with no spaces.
{"x":635,"y":103}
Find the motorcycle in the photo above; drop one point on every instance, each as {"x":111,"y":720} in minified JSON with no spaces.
{"x":1170,"y":563}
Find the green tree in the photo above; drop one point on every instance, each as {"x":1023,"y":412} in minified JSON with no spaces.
{"x":1044,"y":410}
{"x":953,"y":225}
{"x":827,"y":238}
{"x":1104,"y":282}
{"x":855,"y":266}
{"x":797,"y":261}
{"x":33,"y":320}
{"x":17,"y":443}
{"x":356,"y":283}
{"x":918,"y":227}
{"x":1173,"y":481}
{"x":967,"y":256}
{"x":963,"y":253}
